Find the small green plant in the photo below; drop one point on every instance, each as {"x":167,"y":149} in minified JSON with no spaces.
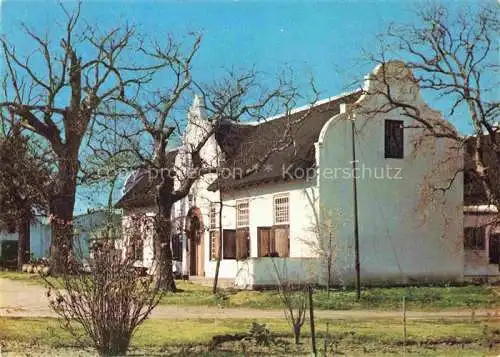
{"x":261,"y":334}
{"x":490,"y":335}
{"x":221,"y":298}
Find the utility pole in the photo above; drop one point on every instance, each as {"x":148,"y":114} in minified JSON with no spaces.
{"x":311,"y":320}
{"x":356,"y":224}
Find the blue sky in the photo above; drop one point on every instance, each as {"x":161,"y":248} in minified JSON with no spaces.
{"x":323,"y":39}
{"x":318,"y":38}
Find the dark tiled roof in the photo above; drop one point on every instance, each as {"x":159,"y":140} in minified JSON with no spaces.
{"x":474,"y":193}
{"x":244,"y":145}
{"x":139,"y":190}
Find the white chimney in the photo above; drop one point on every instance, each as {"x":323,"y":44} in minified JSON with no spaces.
{"x":343,"y":108}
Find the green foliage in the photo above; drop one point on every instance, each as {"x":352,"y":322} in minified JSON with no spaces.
{"x":261,"y":334}
{"x":23,"y":180}
{"x":33,"y":278}
{"x":417,"y":298}
{"x":221,"y":298}
{"x":190,"y":337}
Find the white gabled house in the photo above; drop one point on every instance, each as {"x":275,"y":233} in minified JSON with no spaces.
{"x":277,"y":217}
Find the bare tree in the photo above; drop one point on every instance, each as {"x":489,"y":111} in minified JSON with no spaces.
{"x":294,"y":296}
{"x":236,"y":97}
{"x":453,"y":55}
{"x":109,"y":300}
{"x":325,"y":245}
{"x":59,"y":102}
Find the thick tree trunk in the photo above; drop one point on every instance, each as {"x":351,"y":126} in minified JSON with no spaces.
{"x":61,"y":210}
{"x":62,"y":236}
{"x":23,"y":248}
{"x":163,"y":230}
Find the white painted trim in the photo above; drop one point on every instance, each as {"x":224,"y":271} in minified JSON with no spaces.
{"x":277,"y":197}
{"x":481,"y":209}
{"x":238,"y":202}
{"x":302,"y":108}
{"x":325,"y":127}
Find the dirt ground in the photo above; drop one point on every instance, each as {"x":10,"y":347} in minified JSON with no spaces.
{"x":20,"y":299}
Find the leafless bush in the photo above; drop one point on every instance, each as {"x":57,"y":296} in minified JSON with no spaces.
{"x":294,"y":296}
{"x":107,"y":298}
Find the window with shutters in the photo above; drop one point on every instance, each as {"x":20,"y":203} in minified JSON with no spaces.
{"x":177,"y":247}
{"x":148,"y":226}
{"x":474,"y":238}
{"x":280,"y":237}
{"x":242,"y":213}
{"x":214,"y":245}
{"x":229,"y":244}
{"x":273,"y":241}
{"x":281,"y":209}
{"x":394,"y":139}
{"x":138,"y":249}
{"x":242,"y":231}
{"x":242,"y":243}
{"x":264,"y":247}
{"x":135,"y":245}
{"x":214,"y":232}
{"x":213,"y":216}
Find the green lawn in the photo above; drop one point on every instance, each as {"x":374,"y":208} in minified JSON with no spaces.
{"x":418,"y":298}
{"x":32,"y":278}
{"x":358,"y":337}
{"x":14,"y":275}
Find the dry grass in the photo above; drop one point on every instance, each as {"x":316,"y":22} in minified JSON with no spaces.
{"x":191,"y":337}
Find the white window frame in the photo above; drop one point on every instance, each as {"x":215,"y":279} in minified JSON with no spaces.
{"x":277,"y":220}
{"x":242,"y":217}
{"x":213,"y":228}
{"x":212,"y":215}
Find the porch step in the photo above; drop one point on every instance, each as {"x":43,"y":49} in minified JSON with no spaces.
{"x":222,"y":282}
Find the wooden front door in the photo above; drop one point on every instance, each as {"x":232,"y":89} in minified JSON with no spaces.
{"x":196,"y":255}
{"x":193,"y":261}
{"x":200,"y":256}
{"x":194,"y":228}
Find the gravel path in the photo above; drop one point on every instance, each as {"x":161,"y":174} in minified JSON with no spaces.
{"x":21,"y":299}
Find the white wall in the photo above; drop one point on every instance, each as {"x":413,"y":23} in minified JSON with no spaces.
{"x":405,"y":231}
{"x":262,"y":272}
{"x":148,"y":251}
{"x":260,"y":198}
{"x":148,"y":258}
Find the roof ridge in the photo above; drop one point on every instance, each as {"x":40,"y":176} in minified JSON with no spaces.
{"x":301,"y":108}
